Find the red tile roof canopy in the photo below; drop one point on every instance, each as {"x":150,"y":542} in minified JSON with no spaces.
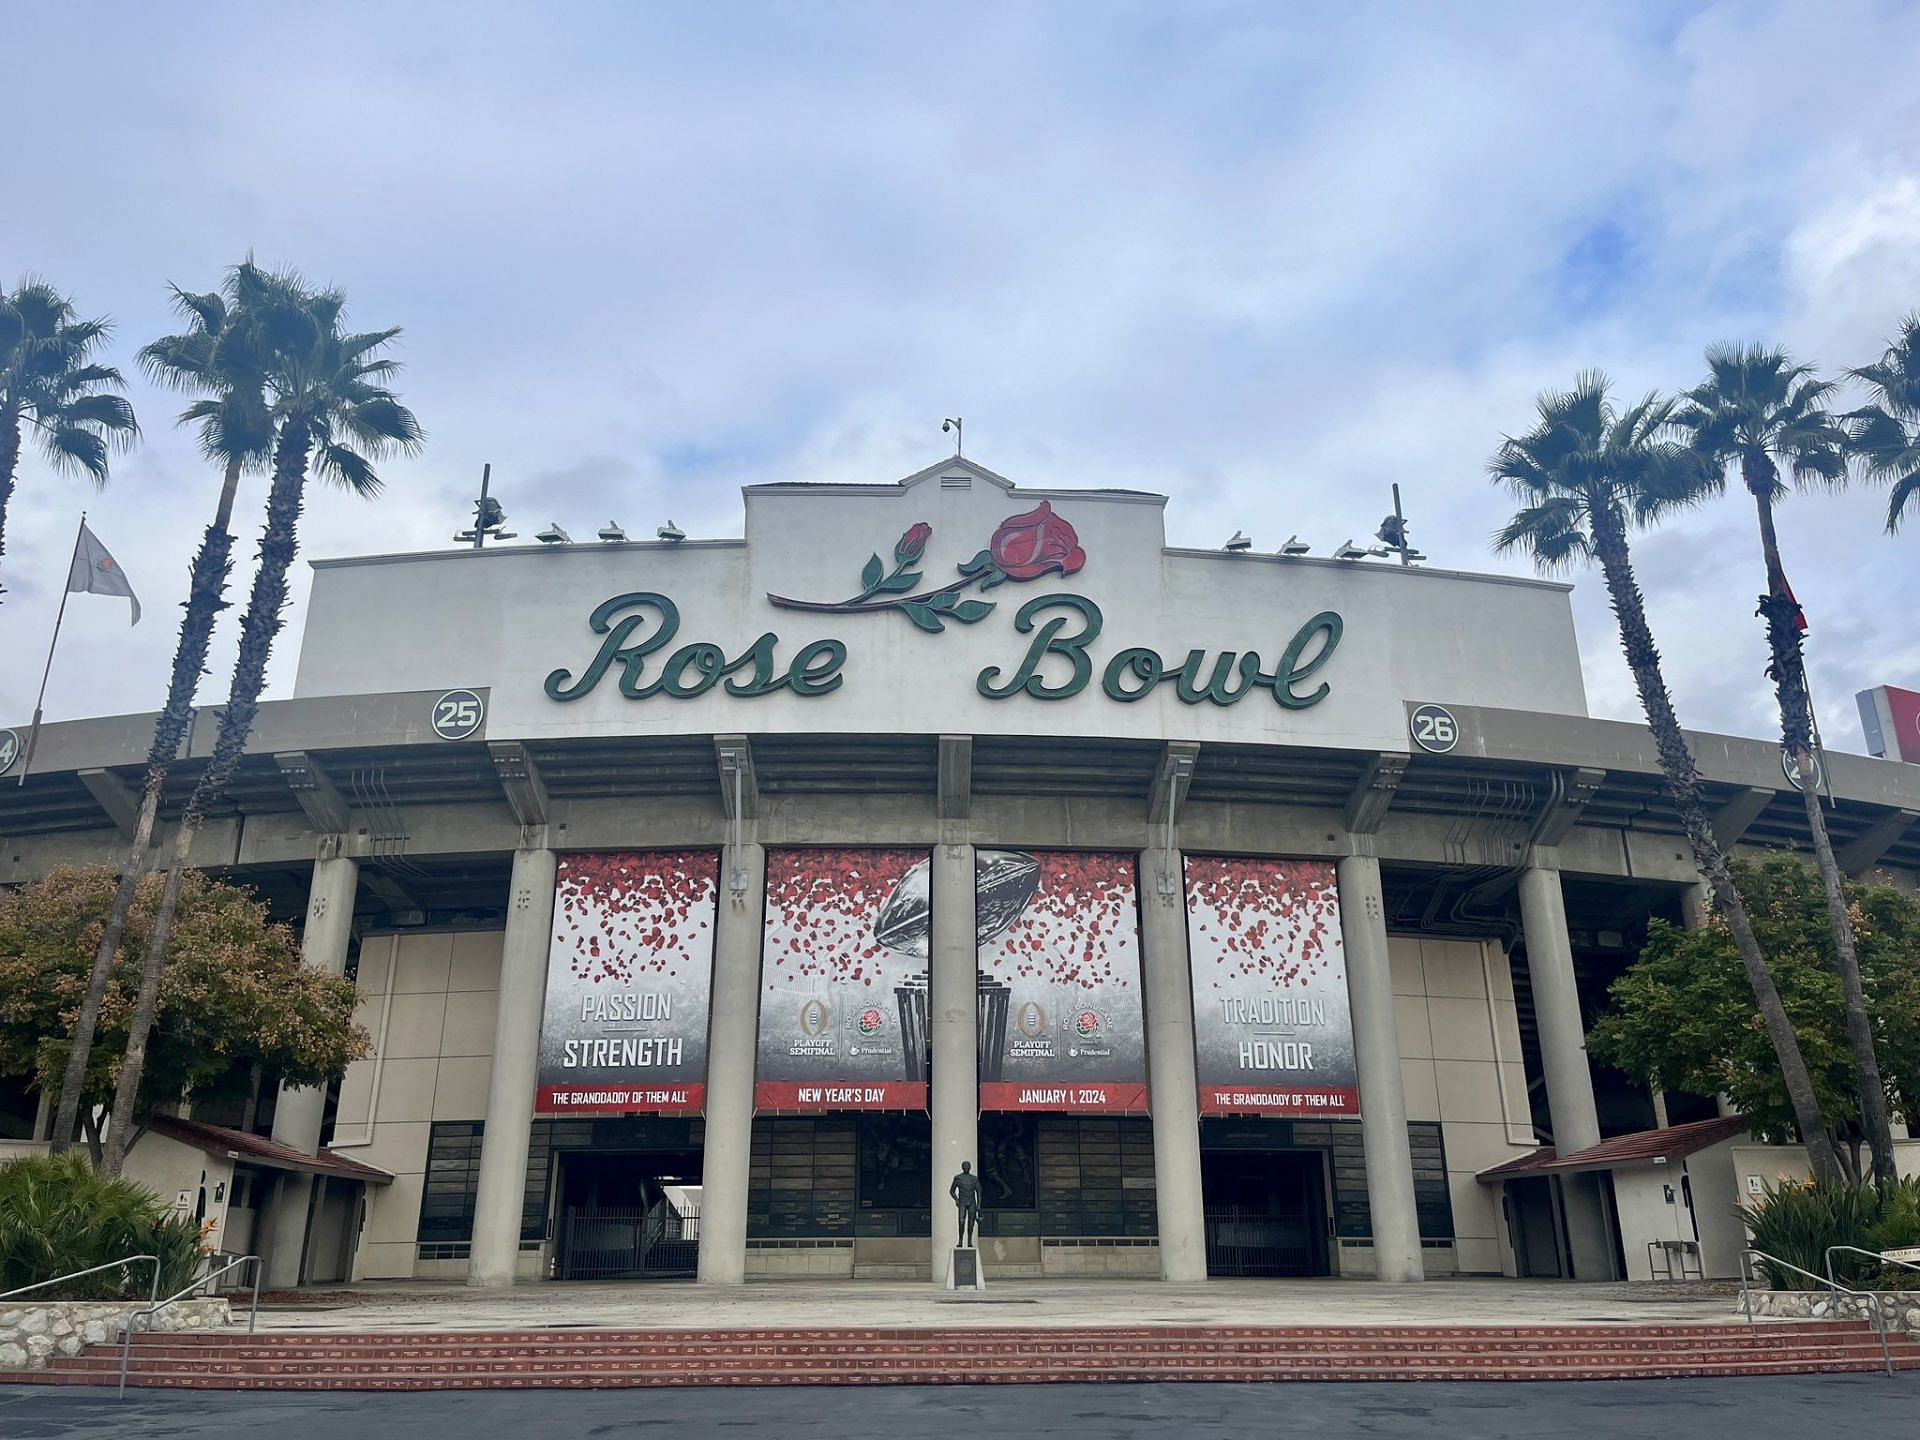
{"x":257,"y":1150}
{"x":1643,"y":1146}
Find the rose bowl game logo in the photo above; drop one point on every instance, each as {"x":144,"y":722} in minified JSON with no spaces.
{"x":870,"y":1021}
{"x":1087,"y":1024}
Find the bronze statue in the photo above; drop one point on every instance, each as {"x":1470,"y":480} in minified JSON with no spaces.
{"x":965,"y":1193}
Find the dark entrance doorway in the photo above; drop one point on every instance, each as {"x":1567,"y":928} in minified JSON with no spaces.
{"x":1266,"y":1212}
{"x":1533,"y":1220}
{"x":625,"y":1215}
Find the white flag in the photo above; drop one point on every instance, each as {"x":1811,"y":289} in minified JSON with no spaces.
{"x":95,"y":572}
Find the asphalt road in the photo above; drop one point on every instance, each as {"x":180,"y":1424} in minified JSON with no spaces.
{"x":1588,"y":1410}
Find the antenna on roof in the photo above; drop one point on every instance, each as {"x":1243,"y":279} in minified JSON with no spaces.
{"x":958,"y":427}
{"x":488,"y":517}
{"x":1393,"y":533}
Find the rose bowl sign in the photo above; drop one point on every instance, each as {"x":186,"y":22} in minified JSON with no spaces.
{"x":643,"y":653}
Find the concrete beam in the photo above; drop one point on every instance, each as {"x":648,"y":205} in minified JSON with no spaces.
{"x":1574,"y":788}
{"x":1372,"y":794}
{"x":390,"y":891}
{"x":956,"y":777}
{"x":520,"y":779}
{"x":1733,"y":819}
{"x":734,"y":755}
{"x":116,"y":797}
{"x":1171,"y":780}
{"x":1863,"y":852}
{"x":326,"y":809}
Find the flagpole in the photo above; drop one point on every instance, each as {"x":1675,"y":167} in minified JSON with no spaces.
{"x":66,"y":589}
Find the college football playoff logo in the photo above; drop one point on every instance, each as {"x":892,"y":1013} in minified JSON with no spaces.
{"x":1032,"y":1020}
{"x":814,"y":1016}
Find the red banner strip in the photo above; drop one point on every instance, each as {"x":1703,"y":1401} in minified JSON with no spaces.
{"x":818,"y":1097}
{"x":1277,"y":1100}
{"x":1086,"y":1098}
{"x":620,"y":1099}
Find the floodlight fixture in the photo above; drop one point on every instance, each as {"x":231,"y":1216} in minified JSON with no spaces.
{"x":671,"y":533}
{"x":1238,"y":543}
{"x":612,"y":533}
{"x":554,"y":535}
{"x":1294,"y":545}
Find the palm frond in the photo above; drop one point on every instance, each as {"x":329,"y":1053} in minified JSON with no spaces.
{"x":70,"y":447}
{"x":347,"y":466}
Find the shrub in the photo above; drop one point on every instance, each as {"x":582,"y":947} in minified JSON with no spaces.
{"x":1797,"y":1222}
{"x":58,"y":1214}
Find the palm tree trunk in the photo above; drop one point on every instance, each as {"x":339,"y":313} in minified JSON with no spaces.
{"x":205,"y":601}
{"x":1789,"y":672}
{"x":258,"y":627}
{"x":9,"y":463}
{"x":1683,"y":787}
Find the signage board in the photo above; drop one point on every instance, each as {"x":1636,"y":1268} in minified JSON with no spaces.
{"x":1890,"y":717}
{"x":1273,"y":1034}
{"x":843,"y":981}
{"x":1061,"y":1021}
{"x":629,"y":973}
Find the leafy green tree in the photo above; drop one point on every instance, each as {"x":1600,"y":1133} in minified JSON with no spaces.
{"x":1761,"y":412}
{"x":1586,"y":474}
{"x":1683,"y":1019}
{"x":233,"y":993}
{"x":219,"y":358}
{"x":330,"y":410}
{"x":49,"y":383}
{"x":1886,"y":432}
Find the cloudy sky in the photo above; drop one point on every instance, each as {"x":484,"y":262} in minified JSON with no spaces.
{"x":1266,"y":259}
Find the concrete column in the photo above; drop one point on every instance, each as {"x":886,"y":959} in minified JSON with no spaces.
{"x":1383,"y":1101}
{"x":1563,"y":1057}
{"x":953,"y":1011}
{"x":516,"y":1067}
{"x":299,"y":1113}
{"x":1173,"y":1084}
{"x":732,"y":1041}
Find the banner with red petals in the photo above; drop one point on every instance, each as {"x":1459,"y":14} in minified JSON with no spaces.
{"x":1273,"y":1034}
{"x":629,"y":974}
{"x":843,"y":976}
{"x":1061,"y":1022}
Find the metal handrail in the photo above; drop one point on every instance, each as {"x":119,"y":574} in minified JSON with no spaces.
{"x":253,"y":1315}
{"x":1874,"y":1317}
{"x":1870,"y":1254}
{"x":153,"y":1291}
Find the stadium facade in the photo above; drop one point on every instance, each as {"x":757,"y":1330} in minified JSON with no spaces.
{"x":711,"y":900}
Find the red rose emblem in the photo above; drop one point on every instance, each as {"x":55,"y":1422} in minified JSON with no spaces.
{"x":913,"y":544}
{"x":1035,"y":544}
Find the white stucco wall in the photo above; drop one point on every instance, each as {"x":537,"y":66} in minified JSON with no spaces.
{"x":504,"y":618}
{"x":1460,"y":1064}
{"x":430,"y":1000}
{"x":169,"y":1167}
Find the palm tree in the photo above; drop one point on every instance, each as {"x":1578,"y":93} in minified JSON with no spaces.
{"x":1760,"y":411}
{"x":1586,"y":474}
{"x":328,"y":407}
{"x":1886,"y":433}
{"x":47,"y":381}
{"x":218,"y":356}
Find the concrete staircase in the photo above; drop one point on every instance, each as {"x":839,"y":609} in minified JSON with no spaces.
{"x":593,"y":1358}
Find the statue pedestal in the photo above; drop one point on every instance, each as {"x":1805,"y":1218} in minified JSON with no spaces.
{"x":965,"y":1273}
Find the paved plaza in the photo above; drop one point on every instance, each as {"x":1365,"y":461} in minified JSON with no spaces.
{"x":414,"y":1305}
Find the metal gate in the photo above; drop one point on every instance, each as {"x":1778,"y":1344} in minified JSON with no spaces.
{"x":658,"y":1242}
{"x":1257,"y":1242}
